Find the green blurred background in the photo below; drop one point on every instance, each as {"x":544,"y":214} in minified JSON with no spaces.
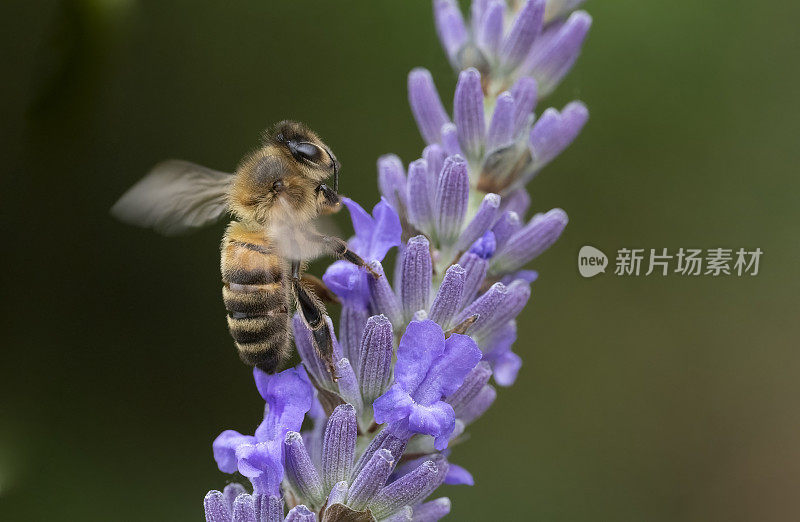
{"x":656,"y":399}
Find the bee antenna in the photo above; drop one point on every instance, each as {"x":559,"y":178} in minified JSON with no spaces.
{"x":335,"y":171}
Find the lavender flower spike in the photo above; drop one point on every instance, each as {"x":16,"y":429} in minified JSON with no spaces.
{"x":378,"y":438}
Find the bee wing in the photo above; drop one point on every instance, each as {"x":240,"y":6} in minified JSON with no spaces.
{"x":175,"y":197}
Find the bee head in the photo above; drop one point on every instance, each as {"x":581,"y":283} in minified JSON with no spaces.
{"x":281,"y":179}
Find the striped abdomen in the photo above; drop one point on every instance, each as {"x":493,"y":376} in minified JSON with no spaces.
{"x":256,"y":298}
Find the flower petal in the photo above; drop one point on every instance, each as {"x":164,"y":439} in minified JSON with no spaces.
{"x":437,"y":419}
{"x":289,"y":395}
{"x":224,"y":447}
{"x":392,"y":406}
{"x":422,"y":343}
{"x":456,"y":476}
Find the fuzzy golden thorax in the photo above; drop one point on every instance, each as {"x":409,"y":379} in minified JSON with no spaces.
{"x":279,"y":183}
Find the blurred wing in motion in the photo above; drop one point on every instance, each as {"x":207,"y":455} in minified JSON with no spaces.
{"x":175,"y":197}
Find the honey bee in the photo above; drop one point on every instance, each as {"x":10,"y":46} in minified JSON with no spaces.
{"x":275,"y":196}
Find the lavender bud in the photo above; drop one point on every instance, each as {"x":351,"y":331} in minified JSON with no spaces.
{"x":536,"y":237}
{"x":417,"y":270}
{"x":392,"y":180}
{"x":551,"y":61}
{"x":475,"y":268}
{"x":480,"y":223}
{"x":383,"y":298}
{"x":441,"y":471}
{"x":508,"y":225}
{"x":432,"y":511}
{"x":434,"y":155}
{"x":339,"y":446}
{"x":450,"y":27}
{"x":445,"y":305}
{"x":385,"y":440}
{"x":301,"y":514}
{"x":450,"y":139}
{"x":425,"y":104}
{"x":420,"y":211}
{"x":232,"y":491}
{"x":452,"y":196}
{"x":490,"y":34}
{"x":469,"y":389}
{"x":516,"y":297}
{"x":468,"y":112}
{"x":370,"y":479}
{"x":375,"y":366}
{"x":351,"y":324}
{"x":300,"y":470}
{"x":406,"y":490}
{"x":243,"y":509}
{"x":338,"y":494}
{"x":526,"y":27}
{"x":525,"y":96}
{"x":501,"y":128}
{"x":553,"y":132}
{"x":484,"y":307}
{"x":268,"y":508}
{"x":349,"y":389}
{"x":478,"y":405}
{"x":216,"y":508}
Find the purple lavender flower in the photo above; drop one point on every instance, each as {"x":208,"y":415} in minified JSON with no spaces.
{"x":429,"y":368}
{"x":536,"y":39}
{"x":418,"y":357}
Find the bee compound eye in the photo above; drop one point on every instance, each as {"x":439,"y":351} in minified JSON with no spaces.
{"x":305,"y":150}
{"x":277,"y":186}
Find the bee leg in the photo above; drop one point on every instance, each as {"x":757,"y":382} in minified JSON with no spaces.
{"x":313,"y":313}
{"x":319,"y":288}
{"x":338,"y":247}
